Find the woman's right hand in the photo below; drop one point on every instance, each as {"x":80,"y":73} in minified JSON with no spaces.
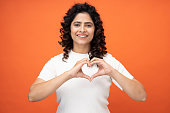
{"x":76,"y":71}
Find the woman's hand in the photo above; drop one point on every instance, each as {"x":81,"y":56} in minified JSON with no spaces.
{"x":104,"y":68}
{"x":76,"y":70}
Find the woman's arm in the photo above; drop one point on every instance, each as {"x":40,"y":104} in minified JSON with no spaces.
{"x":41,"y":89}
{"x":132,"y":87}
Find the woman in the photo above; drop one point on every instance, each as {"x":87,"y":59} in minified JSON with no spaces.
{"x":83,"y":40}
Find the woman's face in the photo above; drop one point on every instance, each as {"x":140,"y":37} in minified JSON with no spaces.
{"x":82,"y":29}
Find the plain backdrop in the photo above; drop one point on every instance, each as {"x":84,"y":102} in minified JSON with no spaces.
{"x":137,"y":34}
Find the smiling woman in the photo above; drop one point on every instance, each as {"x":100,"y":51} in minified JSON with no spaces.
{"x":82,"y":31}
{"x":83,"y":19}
{"x":83,"y":39}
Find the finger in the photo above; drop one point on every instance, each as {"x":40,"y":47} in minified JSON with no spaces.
{"x":95,"y":58}
{"x":80,"y":64}
{"x":80,"y":61}
{"x":88,"y":64}
{"x":87,"y":77}
{"x":83,"y":62}
{"x":94,"y":76}
{"x":84,"y":59}
{"x":87,"y":61}
{"x":96,"y":62}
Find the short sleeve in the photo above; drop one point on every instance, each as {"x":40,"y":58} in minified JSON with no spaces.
{"x":49,"y":70}
{"x":119,"y":67}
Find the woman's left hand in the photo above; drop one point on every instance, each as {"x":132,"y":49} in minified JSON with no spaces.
{"x":104,"y":68}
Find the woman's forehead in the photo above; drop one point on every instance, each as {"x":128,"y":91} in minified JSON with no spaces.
{"x":83,"y":17}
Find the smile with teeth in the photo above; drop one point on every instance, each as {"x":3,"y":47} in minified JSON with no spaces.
{"x":82,"y":36}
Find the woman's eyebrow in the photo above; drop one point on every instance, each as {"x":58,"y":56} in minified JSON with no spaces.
{"x":88,"y":22}
{"x":84,"y":22}
{"x":77,"y":22}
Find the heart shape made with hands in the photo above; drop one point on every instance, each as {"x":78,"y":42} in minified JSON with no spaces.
{"x":90,"y":70}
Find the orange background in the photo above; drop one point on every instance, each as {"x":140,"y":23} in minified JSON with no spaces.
{"x":137,"y":34}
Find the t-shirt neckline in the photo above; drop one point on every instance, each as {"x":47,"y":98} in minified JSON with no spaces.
{"x":78,"y":54}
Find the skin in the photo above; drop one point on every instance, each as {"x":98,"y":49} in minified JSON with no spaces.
{"x":132,"y":87}
{"x":82,"y":24}
{"x":41,"y":89}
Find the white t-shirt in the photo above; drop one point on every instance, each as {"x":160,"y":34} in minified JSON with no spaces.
{"x":79,"y":95}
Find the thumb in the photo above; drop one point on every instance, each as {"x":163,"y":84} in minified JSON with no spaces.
{"x":95,"y":75}
{"x":86,"y":76}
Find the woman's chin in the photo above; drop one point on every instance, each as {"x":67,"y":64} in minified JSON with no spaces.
{"x":82,"y":43}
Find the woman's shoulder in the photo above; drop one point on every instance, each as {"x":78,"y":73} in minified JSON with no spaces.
{"x":56,"y":58}
{"x":109,"y":56}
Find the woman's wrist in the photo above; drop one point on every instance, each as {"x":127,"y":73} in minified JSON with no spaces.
{"x":112,"y":73}
{"x":68,"y":74}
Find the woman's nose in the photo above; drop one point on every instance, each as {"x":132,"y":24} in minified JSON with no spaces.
{"x":82,"y":29}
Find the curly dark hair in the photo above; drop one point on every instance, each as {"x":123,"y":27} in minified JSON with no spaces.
{"x":98,"y":43}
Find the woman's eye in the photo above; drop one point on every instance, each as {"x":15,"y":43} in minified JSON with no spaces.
{"x":89,"y":25}
{"x":76,"y":25}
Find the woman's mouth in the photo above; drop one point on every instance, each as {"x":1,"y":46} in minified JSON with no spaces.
{"x":82,"y":36}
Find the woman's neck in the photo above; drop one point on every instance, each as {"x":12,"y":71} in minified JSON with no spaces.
{"x":81,"y":49}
